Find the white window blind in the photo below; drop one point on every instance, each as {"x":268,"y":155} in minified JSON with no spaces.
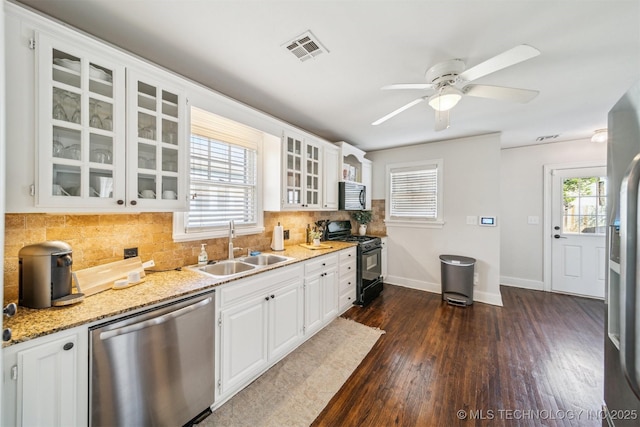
{"x":223,"y":173}
{"x":414,"y":192}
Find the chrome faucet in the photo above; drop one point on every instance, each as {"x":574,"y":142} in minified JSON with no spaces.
{"x":232,"y":234}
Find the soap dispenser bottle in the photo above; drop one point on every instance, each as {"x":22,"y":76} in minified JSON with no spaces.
{"x":203,"y":258}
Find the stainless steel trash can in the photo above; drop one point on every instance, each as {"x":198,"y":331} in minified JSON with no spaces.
{"x":457,"y":279}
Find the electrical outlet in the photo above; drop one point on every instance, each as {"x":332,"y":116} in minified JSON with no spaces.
{"x":285,"y":233}
{"x":130,"y":253}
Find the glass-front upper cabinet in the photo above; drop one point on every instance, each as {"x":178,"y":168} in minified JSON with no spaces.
{"x":302,"y":173}
{"x":156,"y":143}
{"x":81,"y":127}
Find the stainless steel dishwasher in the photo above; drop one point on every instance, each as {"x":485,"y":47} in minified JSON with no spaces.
{"x":154,"y":368}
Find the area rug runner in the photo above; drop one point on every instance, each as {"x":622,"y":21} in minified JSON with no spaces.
{"x":295,"y":390}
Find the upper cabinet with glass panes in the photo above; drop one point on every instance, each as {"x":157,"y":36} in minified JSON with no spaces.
{"x":84,"y":149}
{"x":302,"y":186}
{"x":156,"y":144}
{"x":81,"y":127}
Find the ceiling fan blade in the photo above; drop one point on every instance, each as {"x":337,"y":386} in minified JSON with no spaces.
{"x":500,"y":92}
{"x":442,"y":120}
{"x":408,"y":86}
{"x":398,"y":111}
{"x":505,"y":59}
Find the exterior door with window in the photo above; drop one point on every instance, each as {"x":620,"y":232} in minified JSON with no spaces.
{"x":578,"y":230}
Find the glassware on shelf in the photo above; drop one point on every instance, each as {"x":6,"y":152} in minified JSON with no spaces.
{"x":95,"y":121}
{"x":59,"y":113}
{"x":58,"y":148}
{"x":72,"y":152}
{"x":107,"y":123}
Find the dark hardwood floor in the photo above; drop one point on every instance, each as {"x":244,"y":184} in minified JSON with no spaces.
{"x":536,"y":361}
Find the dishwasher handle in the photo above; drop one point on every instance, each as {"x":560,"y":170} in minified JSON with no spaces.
{"x":154,"y":321}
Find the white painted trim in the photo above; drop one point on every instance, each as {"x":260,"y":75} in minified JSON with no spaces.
{"x":547,"y":220}
{"x":478,"y":296}
{"x":517,"y":282}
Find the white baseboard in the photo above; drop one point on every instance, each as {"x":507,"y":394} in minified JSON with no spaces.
{"x":516,"y":282}
{"x":478,"y":296}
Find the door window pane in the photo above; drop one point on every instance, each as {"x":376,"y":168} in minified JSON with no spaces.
{"x":584,"y":205}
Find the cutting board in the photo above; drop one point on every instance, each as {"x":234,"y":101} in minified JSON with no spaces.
{"x":96,"y":279}
{"x":313,"y":247}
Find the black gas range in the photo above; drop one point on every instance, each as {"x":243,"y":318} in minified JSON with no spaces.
{"x":369,"y":260}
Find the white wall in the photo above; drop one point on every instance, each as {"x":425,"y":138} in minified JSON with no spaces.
{"x":522,"y":195}
{"x":471,"y":188}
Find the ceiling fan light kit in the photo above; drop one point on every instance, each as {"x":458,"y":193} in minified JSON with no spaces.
{"x":445,"y":99}
{"x":443,"y":78}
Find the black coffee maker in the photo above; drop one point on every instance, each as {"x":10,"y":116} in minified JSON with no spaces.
{"x":45,"y":275}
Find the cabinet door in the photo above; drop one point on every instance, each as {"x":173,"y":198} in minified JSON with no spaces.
{"x":244,"y":342}
{"x":285,"y":319}
{"x":157,"y":143}
{"x":312,"y":175}
{"x":47,"y":393}
{"x":313,"y":315}
{"x":293,"y":153}
{"x":367,"y":181}
{"x":330,"y":162}
{"x":81,"y":127}
{"x":330,"y":294}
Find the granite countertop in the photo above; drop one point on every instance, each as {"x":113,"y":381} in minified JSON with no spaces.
{"x":157,"y":288}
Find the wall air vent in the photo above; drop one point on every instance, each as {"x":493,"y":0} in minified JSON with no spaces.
{"x":305,"y":46}
{"x":546,"y":138}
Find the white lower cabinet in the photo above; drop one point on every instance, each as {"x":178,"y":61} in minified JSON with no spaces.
{"x":45,"y":381}
{"x":347,"y":279}
{"x":260,"y":320}
{"x":321,"y":292}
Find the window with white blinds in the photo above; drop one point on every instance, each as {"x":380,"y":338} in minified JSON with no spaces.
{"x":415,"y":192}
{"x":223,"y":184}
{"x":224,"y":168}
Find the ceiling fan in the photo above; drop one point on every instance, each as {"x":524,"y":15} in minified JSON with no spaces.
{"x":448,"y":81}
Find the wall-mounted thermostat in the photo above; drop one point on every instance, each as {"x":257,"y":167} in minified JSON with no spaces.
{"x":488,"y":221}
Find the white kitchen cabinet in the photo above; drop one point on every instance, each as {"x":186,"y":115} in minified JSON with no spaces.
{"x":81,"y":126}
{"x":331,"y":163}
{"x":298,"y":176}
{"x":260,"y":321}
{"x":347,"y":279}
{"x":302,"y":173}
{"x":156,"y":143}
{"x":105,"y":127}
{"x":45,"y":381}
{"x":321,"y":292}
{"x":367,"y":179}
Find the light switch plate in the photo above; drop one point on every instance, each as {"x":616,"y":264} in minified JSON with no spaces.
{"x":533,"y":220}
{"x":472,"y":220}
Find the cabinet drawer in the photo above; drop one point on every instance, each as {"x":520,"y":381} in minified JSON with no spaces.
{"x":346,"y":300}
{"x":320,"y":264}
{"x":347,"y":255}
{"x":243,"y":288}
{"x":348,"y":267}
{"x":346,"y":283}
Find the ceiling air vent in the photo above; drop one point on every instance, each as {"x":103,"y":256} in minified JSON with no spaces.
{"x":546,"y":138}
{"x":305,"y":46}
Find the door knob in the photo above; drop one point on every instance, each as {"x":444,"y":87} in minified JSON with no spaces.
{"x":557,"y":236}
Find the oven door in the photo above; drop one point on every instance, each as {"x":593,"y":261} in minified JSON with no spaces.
{"x":371,"y":266}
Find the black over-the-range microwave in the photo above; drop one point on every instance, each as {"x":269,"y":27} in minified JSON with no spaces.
{"x":352,"y":196}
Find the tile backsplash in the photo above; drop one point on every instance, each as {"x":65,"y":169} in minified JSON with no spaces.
{"x":99,"y":239}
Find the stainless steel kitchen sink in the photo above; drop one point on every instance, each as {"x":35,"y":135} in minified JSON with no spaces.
{"x":227,"y":268}
{"x":265,"y":259}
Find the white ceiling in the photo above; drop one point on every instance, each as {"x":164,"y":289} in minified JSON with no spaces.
{"x":590,"y":57}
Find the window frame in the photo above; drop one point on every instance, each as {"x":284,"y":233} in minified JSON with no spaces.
{"x":180,"y":219}
{"x":438,"y":221}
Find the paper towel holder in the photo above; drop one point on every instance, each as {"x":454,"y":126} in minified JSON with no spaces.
{"x":277,"y":240}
